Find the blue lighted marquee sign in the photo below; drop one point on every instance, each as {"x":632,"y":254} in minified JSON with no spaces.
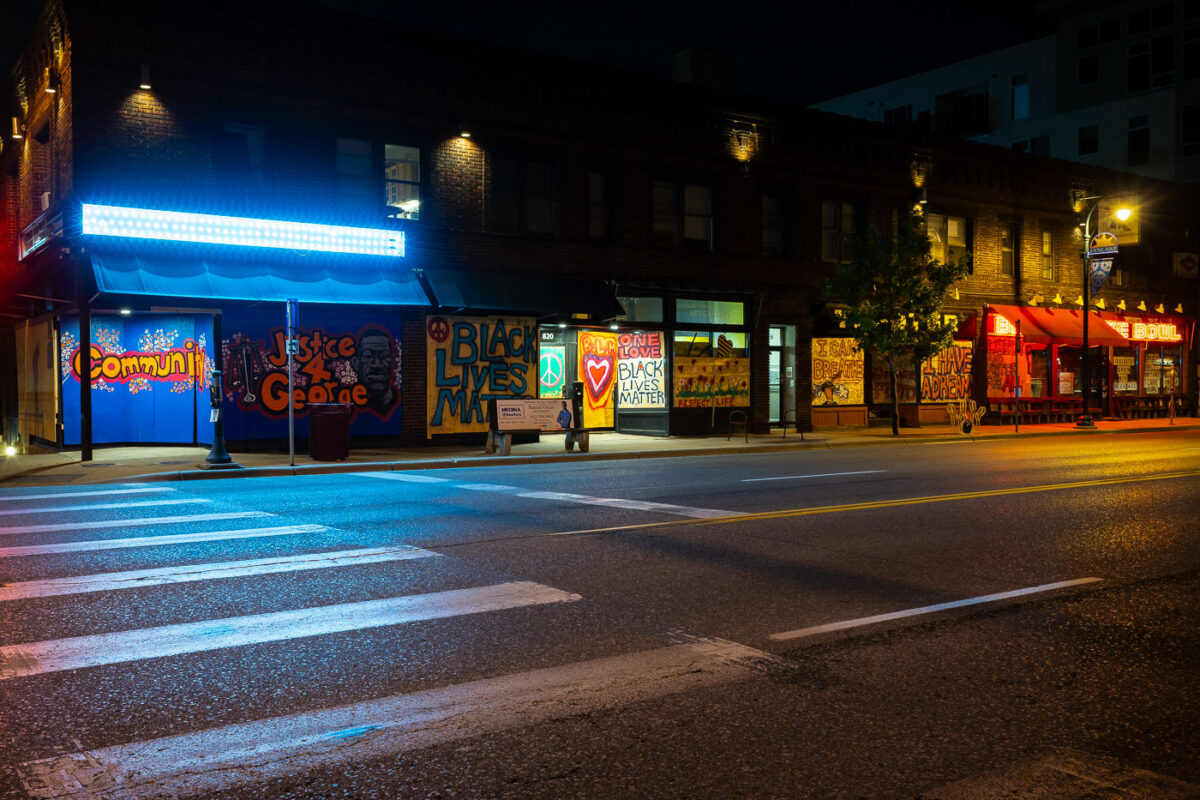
{"x":178,"y":226}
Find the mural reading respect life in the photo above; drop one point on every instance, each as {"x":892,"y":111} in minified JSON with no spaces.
{"x":472,"y":360}
{"x":641,"y":371}
{"x":359,"y":369}
{"x":598,"y":371}
{"x":706,"y":382}
{"x":837,"y":372}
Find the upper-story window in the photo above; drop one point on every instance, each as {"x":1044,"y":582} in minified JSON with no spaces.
{"x":1087,"y":69}
{"x":1020,"y":96}
{"x":1151,"y":63}
{"x":682,"y":213}
{"x":355,"y":175}
{"x":1008,"y":249}
{"x":898,"y":117}
{"x":522,"y":198}
{"x":949,"y":237}
{"x":402,"y":181}
{"x":1047,"y":256}
{"x":1089,"y":139}
{"x":242,"y":154}
{"x":1191,"y":54}
{"x":838,"y":223}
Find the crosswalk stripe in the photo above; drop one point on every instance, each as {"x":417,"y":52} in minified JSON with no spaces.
{"x":57,"y":527}
{"x":187,"y":573}
{"x":103,"y":506}
{"x":102,"y":492}
{"x":403,"y":476}
{"x":35,"y":658}
{"x":218,"y":760}
{"x":156,"y":541}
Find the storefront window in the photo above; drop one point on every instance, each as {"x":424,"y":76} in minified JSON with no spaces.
{"x":642,"y":309}
{"x":693,"y":343}
{"x":711,"y":312}
{"x":1162,"y":370}
{"x":1037,"y":363}
{"x":1069,"y":366}
{"x":1125,"y":370}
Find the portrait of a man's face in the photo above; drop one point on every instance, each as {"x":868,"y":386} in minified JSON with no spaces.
{"x":374,"y":363}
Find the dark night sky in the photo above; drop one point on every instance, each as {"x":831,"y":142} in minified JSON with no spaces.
{"x":793,"y":52}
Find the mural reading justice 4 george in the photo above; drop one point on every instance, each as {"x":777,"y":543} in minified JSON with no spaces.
{"x":327,"y":368}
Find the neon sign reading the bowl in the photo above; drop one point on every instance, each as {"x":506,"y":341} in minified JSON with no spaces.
{"x":179,"y":226}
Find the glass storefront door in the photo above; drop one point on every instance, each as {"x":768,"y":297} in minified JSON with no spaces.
{"x":781,"y":372}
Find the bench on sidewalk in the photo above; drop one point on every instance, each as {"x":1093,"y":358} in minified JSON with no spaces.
{"x":526,"y":415}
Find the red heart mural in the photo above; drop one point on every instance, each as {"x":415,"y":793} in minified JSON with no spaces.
{"x":598,"y":372}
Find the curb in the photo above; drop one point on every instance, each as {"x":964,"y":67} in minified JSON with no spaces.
{"x":498,"y":461}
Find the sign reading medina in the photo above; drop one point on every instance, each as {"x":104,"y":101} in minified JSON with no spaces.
{"x":179,"y":226}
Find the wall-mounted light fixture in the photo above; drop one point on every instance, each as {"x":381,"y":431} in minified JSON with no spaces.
{"x":1058,"y":301}
{"x":1121,"y":305}
{"x":177,"y":226}
{"x":1099,"y":303}
{"x":464,"y":130}
{"x":51,"y":81}
{"x":1141,"y":306}
{"x":16,"y":129}
{"x":1179,"y":308}
{"x":1037,"y":299}
{"x":1079,"y":301}
{"x":125,"y":312}
{"x":1158,"y":309}
{"x":144,"y":82}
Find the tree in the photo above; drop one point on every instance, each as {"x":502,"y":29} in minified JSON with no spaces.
{"x":894,"y":289}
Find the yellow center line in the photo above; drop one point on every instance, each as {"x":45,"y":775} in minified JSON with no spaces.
{"x":905,"y":501}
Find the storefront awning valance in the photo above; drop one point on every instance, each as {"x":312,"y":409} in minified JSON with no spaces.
{"x":359,"y":280}
{"x":1059,"y":325}
{"x":532,"y":294}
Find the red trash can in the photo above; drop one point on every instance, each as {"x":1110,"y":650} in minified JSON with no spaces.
{"x":329,"y":431}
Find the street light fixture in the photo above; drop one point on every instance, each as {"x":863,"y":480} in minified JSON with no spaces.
{"x":1123,"y":214}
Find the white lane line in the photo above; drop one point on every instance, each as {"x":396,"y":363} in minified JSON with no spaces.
{"x":133,"y":579}
{"x":144,"y":522}
{"x":103,"y":492}
{"x":215,"y":761}
{"x":637,"y":505}
{"x":156,"y":541}
{"x":35,"y":658}
{"x":818,"y":475}
{"x":103,"y":506}
{"x":567,"y":497}
{"x":408,"y":477}
{"x":912,"y":612}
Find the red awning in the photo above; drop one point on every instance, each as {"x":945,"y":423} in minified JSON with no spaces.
{"x":1059,"y":326}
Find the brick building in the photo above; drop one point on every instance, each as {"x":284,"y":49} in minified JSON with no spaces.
{"x":460,"y":220}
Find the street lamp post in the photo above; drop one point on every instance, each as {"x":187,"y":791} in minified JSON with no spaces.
{"x":1085,"y":419}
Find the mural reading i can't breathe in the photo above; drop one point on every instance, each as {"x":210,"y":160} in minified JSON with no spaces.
{"x":352,"y":361}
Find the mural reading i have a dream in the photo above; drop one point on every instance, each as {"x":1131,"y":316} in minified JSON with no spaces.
{"x":471,"y":360}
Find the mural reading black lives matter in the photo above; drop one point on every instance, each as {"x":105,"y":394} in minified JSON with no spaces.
{"x":334,"y":362}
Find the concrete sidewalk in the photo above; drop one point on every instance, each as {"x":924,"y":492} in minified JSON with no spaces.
{"x":115,"y":464}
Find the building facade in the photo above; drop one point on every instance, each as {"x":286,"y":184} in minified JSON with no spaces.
{"x":460,"y":222}
{"x":1117,"y":86}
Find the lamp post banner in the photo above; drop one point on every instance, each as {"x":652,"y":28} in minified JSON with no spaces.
{"x":1098,"y":274}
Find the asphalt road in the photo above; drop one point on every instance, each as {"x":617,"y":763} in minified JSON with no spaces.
{"x":1011,"y":618}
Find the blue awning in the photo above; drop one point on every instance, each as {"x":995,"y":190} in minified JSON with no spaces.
{"x":358,"y":280}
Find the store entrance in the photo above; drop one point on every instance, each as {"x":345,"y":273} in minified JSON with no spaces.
{"x":781,"y":372}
